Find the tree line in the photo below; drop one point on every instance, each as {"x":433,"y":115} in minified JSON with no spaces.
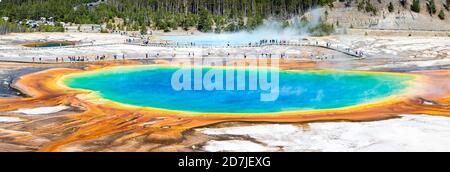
{"x":225,"y":15}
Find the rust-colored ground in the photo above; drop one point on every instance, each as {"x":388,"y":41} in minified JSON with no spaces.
{"x":109,"y":126}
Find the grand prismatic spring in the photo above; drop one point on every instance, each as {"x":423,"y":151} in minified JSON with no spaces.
{"x":295,"y":90}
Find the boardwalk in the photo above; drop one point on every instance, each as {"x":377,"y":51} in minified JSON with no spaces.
{"x":326,"y":45}
{"x":329,"y":46}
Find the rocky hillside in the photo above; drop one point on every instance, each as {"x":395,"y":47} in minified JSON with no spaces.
{"x":376,"y":14}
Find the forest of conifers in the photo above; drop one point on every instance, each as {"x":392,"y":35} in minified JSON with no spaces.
{"x":161,"y":14}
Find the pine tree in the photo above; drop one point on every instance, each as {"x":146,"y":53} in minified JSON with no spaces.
{"x":441,"y":15}
{"x":403,"y":3}
{"x":391,"y":7}
{"x":144,"y":30}
{"x":205,"y":23}
{"x":415,"y":6}
{"x":431,"y":7}
{"x":109,"y":26}
{"x":447,"y":5}
{"x":371,"y":8}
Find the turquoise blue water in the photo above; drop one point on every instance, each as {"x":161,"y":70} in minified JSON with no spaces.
{"x":240,"y":38}
{"x":221,"y":39}
{"x":298,"y":90}
{"x":51,"y":45}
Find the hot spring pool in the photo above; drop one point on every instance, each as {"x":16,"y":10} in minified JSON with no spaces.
{"x":50,"y":44}
{"x":298,"y":90}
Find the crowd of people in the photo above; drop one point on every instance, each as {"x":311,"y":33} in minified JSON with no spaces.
{"x":228,"y":44}
{"x":172,"y":55}
{"x":79,"y":58}
{"x":208,"y":54}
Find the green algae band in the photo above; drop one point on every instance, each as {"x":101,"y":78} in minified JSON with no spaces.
{"x":298,"y":90}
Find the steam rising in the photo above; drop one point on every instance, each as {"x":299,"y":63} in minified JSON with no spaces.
{"x":270,"y":30}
